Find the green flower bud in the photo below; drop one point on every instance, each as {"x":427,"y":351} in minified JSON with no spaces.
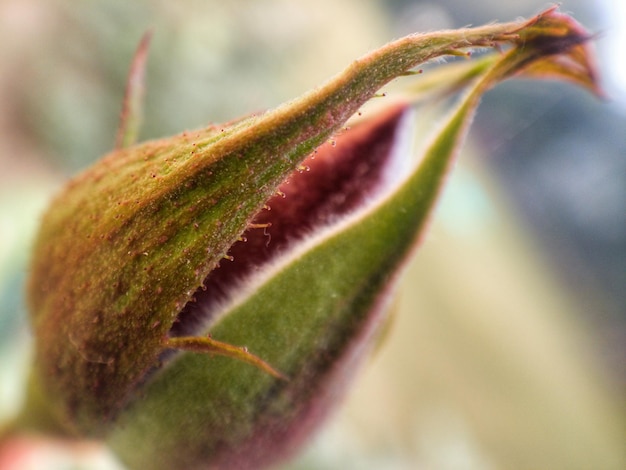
{"x":132,"y":267}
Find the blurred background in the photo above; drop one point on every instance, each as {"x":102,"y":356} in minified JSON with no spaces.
{"x":508,"y":347}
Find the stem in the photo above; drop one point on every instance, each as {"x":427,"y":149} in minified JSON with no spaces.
{"x":35,"y":415}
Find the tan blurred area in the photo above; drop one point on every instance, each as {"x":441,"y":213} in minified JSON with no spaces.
{"x":490,"y":363}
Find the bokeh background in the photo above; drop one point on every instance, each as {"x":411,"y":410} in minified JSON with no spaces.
{"x":508,"y":346}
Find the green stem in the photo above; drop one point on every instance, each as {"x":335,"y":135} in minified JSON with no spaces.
{"x":35,"y":415}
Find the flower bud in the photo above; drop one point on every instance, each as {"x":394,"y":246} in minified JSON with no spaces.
{"x":224,"y":237}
